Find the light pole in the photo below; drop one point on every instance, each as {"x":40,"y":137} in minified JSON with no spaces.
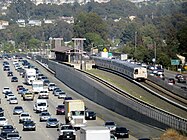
{"x":50,"y":44}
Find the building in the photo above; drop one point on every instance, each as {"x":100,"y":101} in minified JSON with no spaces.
{"x":3,"y":24}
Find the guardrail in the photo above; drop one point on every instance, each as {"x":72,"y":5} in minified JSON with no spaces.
{"x":131,"y":108}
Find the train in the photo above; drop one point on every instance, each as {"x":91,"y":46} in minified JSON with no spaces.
{"x":133,"y":71}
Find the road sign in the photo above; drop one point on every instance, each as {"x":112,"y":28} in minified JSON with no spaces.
{"x":175,"y":62}
{"x":105,"y":50}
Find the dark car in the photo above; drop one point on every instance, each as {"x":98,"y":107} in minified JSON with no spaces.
{"x":1,"y":112}
{"x":14,"y":79}
{"x":181,"y":80}
{"x":60,"y":110}
{"x":9,"y":73}
{"x":178,"y":76}
{"x":121,"y":132}
{"x":46,"y":82}
{"x":6,"y":68}
{"x":8,"y":128}
{"x":19,"y":86}
{"x":171,"y":81}
{"x":52,"y":122}
{"x":29,"y":125}
{"x":67,"y":98}
{"x":90,"y":115}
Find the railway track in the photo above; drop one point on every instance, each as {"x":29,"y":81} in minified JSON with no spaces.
{"x":170,"y":102}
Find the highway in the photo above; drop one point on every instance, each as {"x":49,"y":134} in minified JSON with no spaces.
{"x":136,"y":129}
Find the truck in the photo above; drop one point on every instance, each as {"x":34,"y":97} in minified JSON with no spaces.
{"x":40,"y":105}
{"x":75,"y":113}
{"x":94,"y":133}
{"x":30,"y":75}
{"x":37,"y":86}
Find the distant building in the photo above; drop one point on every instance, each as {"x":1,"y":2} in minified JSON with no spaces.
{"x":69,"y":20}
{"x":3,"y":24}
{"x":21,"y":22}
{"x":34,"y":23}
{"x":48,"y":21}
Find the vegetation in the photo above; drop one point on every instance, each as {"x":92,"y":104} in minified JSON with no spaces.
{"x":172,"y":134}
{"x":160,"y":26}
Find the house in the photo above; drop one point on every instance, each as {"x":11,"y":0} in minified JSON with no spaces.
{"x":3,"y":24}
{"x":21,"y":22}
{"x":34,"y":23}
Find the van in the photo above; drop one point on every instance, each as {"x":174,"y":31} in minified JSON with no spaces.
{"x":40,"y":105}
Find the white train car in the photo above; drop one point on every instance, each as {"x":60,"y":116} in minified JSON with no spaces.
{"x":133,"y":71}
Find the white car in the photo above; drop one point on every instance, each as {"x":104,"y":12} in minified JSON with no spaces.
{"x":61,"y":95}
{"x":3,"y":121}
{"x":6,"y":89}
{"x":10,"y":96}
{"x":13,"y":100}
{"x":51,"y":86}
{"x":24,"y":116}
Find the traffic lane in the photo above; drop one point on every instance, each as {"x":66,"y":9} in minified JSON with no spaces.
{"x":41,"y":132}
{"x":137,"y":129}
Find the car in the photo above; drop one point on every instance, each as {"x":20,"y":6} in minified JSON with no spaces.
{"x":110,"y":125}
{"x":178,"y":75}
{"x":1,"y":112}
{"x":29,"y":125}
{"x":39,"y":76}
{"x":52,"y":122}
{"x":66,"y":131}
{"x":46,"y":82}
{"x":60,"y":109}
{"x":181,"y":80}
{"x":13,"y":136}
{"x":6,"y":89}
{"x":20,"y":90}
{"x":90,"y":115}
{"x":9,"y":73}
{"x":56,"y":88}
{"x":121,"y":132}
{"x":23,"y":91}
{"x":6,"y":68}
{"x":8,"y":93}
{"x":24,"y":117}
{"x":18,"y":110}
{"x":14,"y":79}
{"x":13,"y":100}
{"x":112,"y":137}
{"x":10,"y":96}
{"x":44,"y":116}
{"x":57,"y":91}
{"x":3,"y":121}
{"x":61,"y":95}
{"x":19,"y":86}
{"x":171,"y":81}
{"x":67,"y":98}
{"x":51,"y":86}
{"x":8,"y":128}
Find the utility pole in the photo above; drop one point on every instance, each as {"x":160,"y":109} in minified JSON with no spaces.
{"x":135,"y":43}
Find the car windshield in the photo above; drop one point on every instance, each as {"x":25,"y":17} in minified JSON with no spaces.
{"x":2,"y":119}
{"x":109,"y":123}
{"x":53,"y":120}
{"x":18,"y":107}
{"x":7,"y":127}
{"x":29,"y":122}
{"x":51,"y":85}
{"x":41,"y":104}
{"x":13,"y":135}
{"x":121,"y":129}
{"x":65,"y":127}
{"x":24,"y":115}
{"x":45,"y":114}
{"x":60,"y":106}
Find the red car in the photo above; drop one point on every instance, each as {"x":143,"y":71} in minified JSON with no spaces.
{"x":19,"y":86}
{"x":60,"y":110}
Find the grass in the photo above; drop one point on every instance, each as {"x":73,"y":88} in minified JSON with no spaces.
{"x":172,"y":134}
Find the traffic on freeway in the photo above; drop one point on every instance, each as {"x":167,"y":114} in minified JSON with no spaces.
{"x":52,"y":113}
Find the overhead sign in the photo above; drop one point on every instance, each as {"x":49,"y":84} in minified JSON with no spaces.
{"x":175,"y":62}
